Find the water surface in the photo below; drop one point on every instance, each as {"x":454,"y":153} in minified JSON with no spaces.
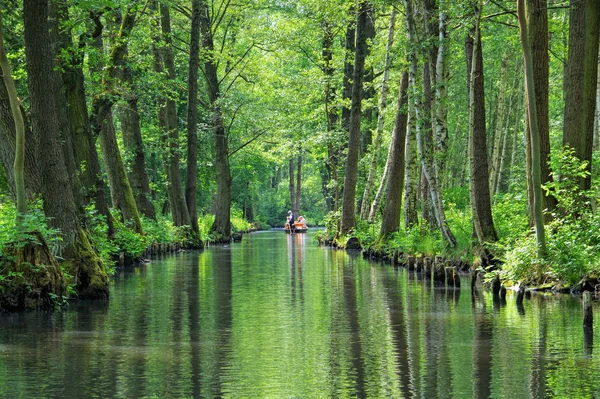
{"x":276,"y":316}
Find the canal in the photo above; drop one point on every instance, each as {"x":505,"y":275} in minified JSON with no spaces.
{"x":277,"y":316}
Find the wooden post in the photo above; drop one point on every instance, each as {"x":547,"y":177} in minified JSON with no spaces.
{"x":411,"y":262}
{"x":474,"y":275}
{"x":456,"y":277}
{"x":588,"y":315}
{"x":496,"y":287}
{"x":427,"y":267}
{"x":521,"y":294}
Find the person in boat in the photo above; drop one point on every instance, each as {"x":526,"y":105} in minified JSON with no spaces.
{"x":290,"y":221}
{"x":301,"y":223}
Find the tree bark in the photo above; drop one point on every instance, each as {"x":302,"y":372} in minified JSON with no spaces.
{"x":292,"y":186}
{"x":296,"y":207}
{"x":221,"y":228}
{"x":59,"y":204}
{"x":481,"y":206}
{"x":192,"y":117}
{"x":376,"y":147}
{"x":537,"y":21}
{"x":84,"y":144}
{"x":179,"y":210}
{"x":103,"y":125}
{"x":581,"y":75}
{"x":390,"y":222}
{"x":19,"y":126}
{"x":332,"y":194}
{"x":350,"y":50}
{"x":501,"y":110}
{"x":424,"y":139}
{"x":411,"y":172}
{"x":533,"y":128}
{"x":348,"y":221}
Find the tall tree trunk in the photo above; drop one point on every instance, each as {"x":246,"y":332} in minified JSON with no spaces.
{"x":333,"y":148}
{"x":59,"y":205}
{"x":348,"y":221}
{"x":393,"y":200}
{"x":292,"y":186}
{"x":440,"y":111}
{"x":179,"y":210}
{"x":533,"y":128}
{"x":537,"y":19}
{"x":501,"y":111}
{"x":411,"y":172}
{"x":103,"y":125}
{"x":376,"y":147}
{"x":424,"y":139}
{"x":221,"y":228}
{"x":481,"y":206}
{"x":581,"y":80}
{"x":8,"y":149}
{"x":349,"y":52}
{"x":192,"y":117}
{"x":296,"y":207}
{"x":15,"y":107}
{"x":84,"y":142}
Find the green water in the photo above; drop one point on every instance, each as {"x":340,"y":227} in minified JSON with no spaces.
{"x":276,"y":316}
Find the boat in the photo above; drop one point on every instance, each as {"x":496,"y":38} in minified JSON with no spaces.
{"x":299,"y":228}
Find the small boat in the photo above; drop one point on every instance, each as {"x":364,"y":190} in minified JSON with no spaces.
{"x":298,"y":228}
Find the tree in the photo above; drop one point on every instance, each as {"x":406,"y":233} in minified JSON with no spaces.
{"x":533,"y":129}
{"x":348,"y":221}
{"x":424,"y":139}
{"x":168,"y":123}
{"x":393,"y":204}
{"x":581,"y":76}
{"x":192,"y":117}
{"x":59,"y":204}
{"x":366,"y":198}
{"x":15,"y":106}
{"x":102,"y":121}
{"x":481,"y":206}
{"x":221,"y":227}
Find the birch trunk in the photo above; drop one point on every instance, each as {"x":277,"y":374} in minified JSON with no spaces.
{"x":424,"y":143}
{"x":376,"y":147}
{"x":501,"y":110}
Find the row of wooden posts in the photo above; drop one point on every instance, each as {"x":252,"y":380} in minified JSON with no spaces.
{"x":437,"y":269}
{"x":445,"y":272}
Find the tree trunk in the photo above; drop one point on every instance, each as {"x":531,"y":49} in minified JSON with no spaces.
{"x":424,"y":139}
{"x":393,"y":200}
{"x":292,"y":186}
{"x":332,"y":194}
{"x":481,"y":206}
{"x":501,"y":110}
{"x":440,"y":111}
{"x":84,"y":143}
{"x":192,"y":117}
{"x":296,"y":207}
{"x":59,"y":205}
{"x":581,"y":75}
{"x":221,"y":228}
{"x":376,"y":147}
{"x":179,"y":210}
{"x":103,"y":125}
{"x":533,"y":128}
{"x":348,"y":221}
{"x":8,"y":149}
{"x":349,"y":52}
{"x":19,"y":126}
{"x":411,"y":172}
{"x":537,"y":20}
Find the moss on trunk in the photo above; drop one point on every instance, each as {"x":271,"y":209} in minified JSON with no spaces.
{"x":30,"y":277}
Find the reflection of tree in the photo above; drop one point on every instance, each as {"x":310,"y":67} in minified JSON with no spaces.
{"x":296,"y":260}
{"x":482,"y":353}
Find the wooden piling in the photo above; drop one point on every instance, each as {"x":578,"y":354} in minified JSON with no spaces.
{"x":474,"y":275}
{"x":496,"y":287}
{"x":521,"y":294}
{"x":503,"y":293}
{"x":427,"y":267}
{"x":411,"y":263}
{"x":588,"y":315}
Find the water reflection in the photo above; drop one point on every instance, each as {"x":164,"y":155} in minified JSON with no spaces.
{"x":277,"y":316}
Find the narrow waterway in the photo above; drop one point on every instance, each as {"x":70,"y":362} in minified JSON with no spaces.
{"x":277,"y":316}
